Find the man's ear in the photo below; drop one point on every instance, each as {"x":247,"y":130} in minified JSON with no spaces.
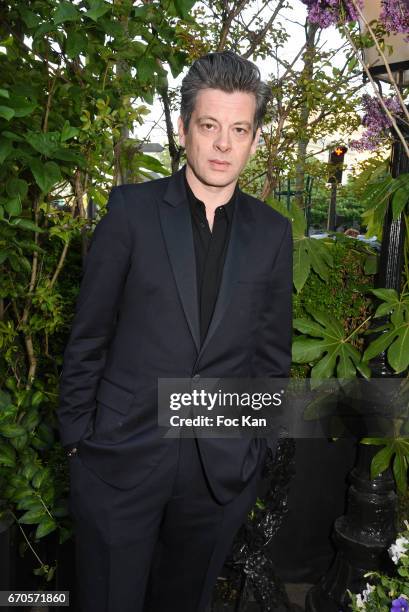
{"x":181,"y":132}
{"x":256,"y":138}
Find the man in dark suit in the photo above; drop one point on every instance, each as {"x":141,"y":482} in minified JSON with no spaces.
{"x":186,"y":277}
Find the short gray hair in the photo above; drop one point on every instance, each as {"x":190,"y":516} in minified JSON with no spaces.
{"x":229,"y":72}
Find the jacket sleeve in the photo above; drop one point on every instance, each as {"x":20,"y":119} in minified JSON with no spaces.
{"x":105,"y":271}
{"x":272,"y":357}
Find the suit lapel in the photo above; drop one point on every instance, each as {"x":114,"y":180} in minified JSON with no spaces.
{"x":177,"y":230}
{"x":176,"y":224}
{"x":240,"y":235}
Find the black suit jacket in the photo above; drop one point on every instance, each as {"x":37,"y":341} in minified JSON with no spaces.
{"x":137,"y":320}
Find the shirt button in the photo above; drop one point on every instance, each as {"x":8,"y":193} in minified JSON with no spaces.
{"x":196,"y":377}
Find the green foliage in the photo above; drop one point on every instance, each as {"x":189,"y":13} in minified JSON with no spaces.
{"x":394,"y":337}
{"x":382,"y":189}
{"x":396,"y":449}
{"x":309,"y":254}
{"x":75,"y":81}
{"x":326,"y":343}
{"x":344,"y":293}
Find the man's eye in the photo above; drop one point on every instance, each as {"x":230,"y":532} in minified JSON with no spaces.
{"x":240,"y":130}
{"x":207,"y":126}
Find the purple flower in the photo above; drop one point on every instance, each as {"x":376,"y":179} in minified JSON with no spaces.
{"x":376,"y":122}
{"x":400,"y":605}
{"x":395,"y":16}
{"x":331,"y":12}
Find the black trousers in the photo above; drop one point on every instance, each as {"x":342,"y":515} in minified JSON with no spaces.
{"x":158,"y":547}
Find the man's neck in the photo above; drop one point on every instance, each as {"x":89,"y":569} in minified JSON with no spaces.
{"x":212,"y":196}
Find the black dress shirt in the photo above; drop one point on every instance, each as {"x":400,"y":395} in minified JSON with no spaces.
{"x":210,"y":251}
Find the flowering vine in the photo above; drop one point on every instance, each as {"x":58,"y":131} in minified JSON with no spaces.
{"x":395,"y":16}
{"x":376,"y":122}
{"x":331,"y":12}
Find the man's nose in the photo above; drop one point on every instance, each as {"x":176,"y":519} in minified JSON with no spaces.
{"x":223,"y":141}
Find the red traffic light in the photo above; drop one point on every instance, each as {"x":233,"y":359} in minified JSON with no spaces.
{"x":335,"y":161}
{"x":340,"y":151}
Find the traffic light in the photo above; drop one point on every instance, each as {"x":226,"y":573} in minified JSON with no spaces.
{"x":336,"y":163}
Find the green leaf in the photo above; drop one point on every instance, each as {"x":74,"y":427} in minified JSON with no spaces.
{"x":374,"y":441}
{"x":301,"y":264}
{"x":30,"y":19}
{"x":7,"y":455}
{"x":19,"y":442}
{"x":46,"y":526}
{"x":26,"y":224}
{"x":29,"y":470}
{"x":5,"y":149}
{"x":146,"y":67}
{"x":381,"y":460}
{"x":383,"y":309}
{"x":177,"y":62}
{"x":400,"y":472}
{"x":307,"y":326}
{"x":11,"y":430}
{"x":4,"y":93}
{"x":364,"y":369}
{"x":305,"y":350}
{"x":16,"y":186}
{"x":6,"y":112}
{"x":98,"y":8}
{"x":333,"y":352}
{"x":183,"y":7}
{"x":398,"y":352}
{"x":12,"y":136}
{"x":66,"y":12}
{"x":29,"y":503}
{"x":31,"y":419}
{"x":68,"y":132}
{"x":399,"y":201}
{"x":318,"y":263}
{"x":46,"y":174}
{"x":37,"y":398}
{"x":76,"y":43}
{"x":378,"y":346}
{"x":44,"y":143}
{"x":13,"y":206}
{"x":387,"y":295}
{"x":21,"y":106}
{"x":32,"y":516}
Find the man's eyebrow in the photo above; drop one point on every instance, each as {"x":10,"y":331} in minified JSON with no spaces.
{"x":203,"y":117}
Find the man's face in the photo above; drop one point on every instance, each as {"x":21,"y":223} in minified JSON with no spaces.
{"x":220,"y":138}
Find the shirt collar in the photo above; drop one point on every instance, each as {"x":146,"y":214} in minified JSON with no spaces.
{"x":195,"y":203}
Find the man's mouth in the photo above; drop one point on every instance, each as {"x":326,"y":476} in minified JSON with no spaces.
{"x":219,"y":163}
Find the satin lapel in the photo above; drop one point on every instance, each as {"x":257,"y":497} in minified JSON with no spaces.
{"x":176,"y":225}
{"x":241,"y":231}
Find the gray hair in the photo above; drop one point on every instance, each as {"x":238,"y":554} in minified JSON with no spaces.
{"x":229,"y":72}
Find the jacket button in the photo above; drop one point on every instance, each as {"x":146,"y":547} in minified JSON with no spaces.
{"x":196,"y":377}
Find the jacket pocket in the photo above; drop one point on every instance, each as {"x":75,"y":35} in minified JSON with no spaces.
{"x":115,"y":397}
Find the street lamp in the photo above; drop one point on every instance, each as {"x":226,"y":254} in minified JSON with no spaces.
{"x":363,"y":534}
